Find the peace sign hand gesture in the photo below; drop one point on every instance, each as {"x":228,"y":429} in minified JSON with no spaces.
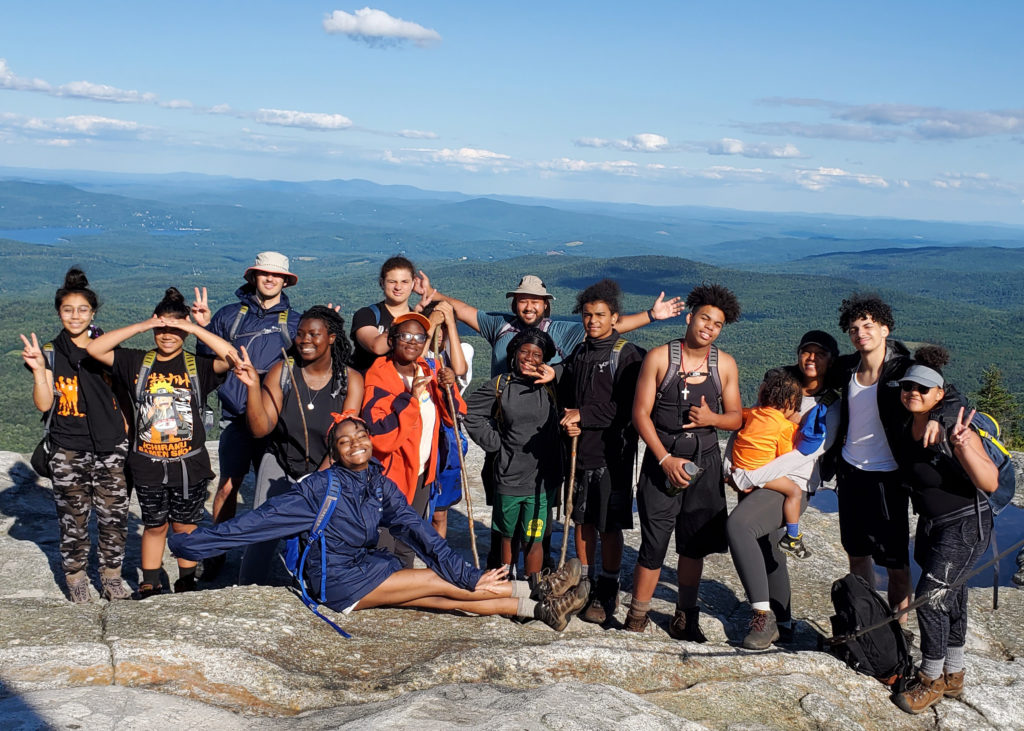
{"x":961,"y":432}
{"x":201,"y":308}
{"x":244,"y":370}
{"x":32,"y":354}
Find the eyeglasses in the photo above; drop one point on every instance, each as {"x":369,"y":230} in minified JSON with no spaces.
{"x":418,"y":338}
{"x":908,"y":386}
{"x":69,"y":311}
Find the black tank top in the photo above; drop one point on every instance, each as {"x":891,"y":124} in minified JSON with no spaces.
{"x":672,"y":410}
{"x":289,"y":445}
{"x":938,"y":484}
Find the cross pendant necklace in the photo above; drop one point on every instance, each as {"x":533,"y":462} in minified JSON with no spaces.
{"x":686,"y":374}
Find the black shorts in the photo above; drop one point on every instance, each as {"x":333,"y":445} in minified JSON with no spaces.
{"x":697,"y":515}
{"x":603,"y":499}
{"x":873,"y":515}
{"x":162,"y":503}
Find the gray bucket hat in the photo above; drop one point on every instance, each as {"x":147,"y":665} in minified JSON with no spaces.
{"x":532,"y":286}
{"x":271,"y":261}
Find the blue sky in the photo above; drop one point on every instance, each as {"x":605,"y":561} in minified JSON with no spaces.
{"x":911,"y":110}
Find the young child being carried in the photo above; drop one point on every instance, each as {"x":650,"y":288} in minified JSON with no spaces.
{"x":768,"y":431}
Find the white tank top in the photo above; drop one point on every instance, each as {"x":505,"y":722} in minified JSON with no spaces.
{"x":866,"y":447}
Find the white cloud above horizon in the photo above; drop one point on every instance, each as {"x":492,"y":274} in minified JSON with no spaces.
{"x":417,"y":134}
{"x":305,"y":120}
{"x":643,"y":142}
{"x":730,"y":146}
{"x":378,"y":28}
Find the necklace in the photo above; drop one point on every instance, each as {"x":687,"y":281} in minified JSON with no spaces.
{"x":688,"y":374}
{"x":310,"y":395}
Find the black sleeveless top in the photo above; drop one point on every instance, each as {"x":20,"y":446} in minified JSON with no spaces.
{"x":289,"y":442}
{"x":938,"y":484}
{"x":672,"y":411}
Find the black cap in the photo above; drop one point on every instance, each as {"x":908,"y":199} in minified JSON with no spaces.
{"x":822,"y":339}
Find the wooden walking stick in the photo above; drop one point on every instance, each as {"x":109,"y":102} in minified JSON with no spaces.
{"x":568,"y":502}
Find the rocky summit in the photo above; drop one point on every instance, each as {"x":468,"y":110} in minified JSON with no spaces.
{"x":254,"y":657}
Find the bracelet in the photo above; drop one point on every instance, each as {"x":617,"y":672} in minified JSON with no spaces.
{"x":663,"y":459}
{"x":650,"y":315}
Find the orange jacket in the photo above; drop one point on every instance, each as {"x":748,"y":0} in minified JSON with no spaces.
{"x":395,"y":426}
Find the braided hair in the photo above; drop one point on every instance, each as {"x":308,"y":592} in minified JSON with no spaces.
{"x":341,"y":349}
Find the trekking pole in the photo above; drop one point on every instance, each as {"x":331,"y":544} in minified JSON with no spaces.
{"x":568,"y":502}
{"x":465,"y":480}
{"x":302,"y":412}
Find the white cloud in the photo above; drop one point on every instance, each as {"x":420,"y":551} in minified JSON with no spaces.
{"x":970,"y":181}
{"x":305,"y":120}
{"x":643,"y":142}
{"x":103,"y":93}
{"x":822,"y":177}
{"x":728,"y":174}
{"x":569,"y":165}
{"x":53,"y":131}
{"x":376,"y":27}
{"x":417,"y":134}
{"x":177,"y":104}
{"x":8,"y":80}
{"x":730,"y":146}
{"x":469,"y":158}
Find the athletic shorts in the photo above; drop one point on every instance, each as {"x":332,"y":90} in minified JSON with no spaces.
{"x":873,"y":519}
{"x":163,"y":503}
{"x":603,"y":500}
{"x":239,"y":450}
{"x":529,"y":513}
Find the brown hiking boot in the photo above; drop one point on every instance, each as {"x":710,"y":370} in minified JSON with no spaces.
{"x":556,"y":611}
{"x":603,"y":603}
{"x":114,"y":587}
{"x":763,"y":631}
{"x":922,"y":695}
{"x":636,"y":620}
{"x":78,"y":588}
{"x":556,"y":583}
{"x":954,"y":684}
{"x":686,"y":625}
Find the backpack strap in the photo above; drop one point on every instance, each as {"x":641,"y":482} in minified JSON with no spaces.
{"x":499,"y":388}
{"x":49,"y":356}
{"x":716,"y":378}
{"x":233,"y":331}
{"x":316,"y":534}
{"x":675,"y":361}
{"x":285,"y":381}
{"x":282,"y":324}
{"x":140,"y":382}
{"x":193,"y":379}
{"x":613,"y":364}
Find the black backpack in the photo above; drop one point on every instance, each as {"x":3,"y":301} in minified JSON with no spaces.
{"x":881,"y":652}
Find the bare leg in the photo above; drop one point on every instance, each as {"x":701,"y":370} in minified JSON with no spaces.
{"x":507,"y":557}
{"x":689,"y":570}
{"x":440,"y":522}
{"x":864,"y":567}
{"x":794,"y":495}
{"x":534,"y":560}
{"x":506,"y":607}
{"x":184,"y":528}
{"x":154,"y":539}
{"x":225,"y":500}
{"x":899,"y":591}
{"x":611,"y":551}
{"x":410,"y":585}
{"x":645,"y":581}
{"x":586,"y":543}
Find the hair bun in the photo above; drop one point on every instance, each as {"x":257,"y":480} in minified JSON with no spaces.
{"x":75,"y":279}
{"x":933,"y":356}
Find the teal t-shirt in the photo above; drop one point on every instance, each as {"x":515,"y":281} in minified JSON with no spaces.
{"x":498,"y":328}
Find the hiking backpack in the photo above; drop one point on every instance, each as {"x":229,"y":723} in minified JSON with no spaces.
{"x":882,"y":652}
{"x":986,"y":427}
{"x":675,"y":362}
{"x":40,"y":459}
{"x":515,"y":327}
{"x":282,"y":327}
{"x":297,"y":550}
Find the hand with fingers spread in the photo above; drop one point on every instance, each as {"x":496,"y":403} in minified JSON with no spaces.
{"x":201,"y":308}
{"x":544,"y":373}
{"x":244,"y":370}
{"x":663,"y":309}
{"x":701,"y":415}
{"x":32,"y":354}
{"x":493,"y":580}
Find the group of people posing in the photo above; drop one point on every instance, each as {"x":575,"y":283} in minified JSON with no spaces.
{"x":381,"y":417}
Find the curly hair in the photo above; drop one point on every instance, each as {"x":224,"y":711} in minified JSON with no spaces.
{"x":607,"y":291}
{"x":172,"y":304}
{"x":75,"y":282}
{"x":717,"y":296}
{"x":932,"y":356}
{"x":341,"y":349}
{"x":529,"y":336}
{"x":780,"y":389}
{"x":860,"y":305}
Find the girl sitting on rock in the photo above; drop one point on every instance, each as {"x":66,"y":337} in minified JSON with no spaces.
{"x":361,"y":576}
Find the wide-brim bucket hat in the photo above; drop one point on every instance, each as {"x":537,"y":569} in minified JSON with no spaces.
{"x":273,"y":263}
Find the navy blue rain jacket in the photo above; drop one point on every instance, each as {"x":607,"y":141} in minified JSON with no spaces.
{"x":259,"y":333}
{"x":355,"y":567}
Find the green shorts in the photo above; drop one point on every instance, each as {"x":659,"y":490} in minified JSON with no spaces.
{"x":529,"y":513}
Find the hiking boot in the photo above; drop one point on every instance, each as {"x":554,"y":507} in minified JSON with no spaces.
{"x":763,"y":631}
{"x":556,"y":583}
{"x":1018,"y":578}
{"x":794,"y":546}
{"x":685,"y":625}
{"x":922,"y":695}
{"x":185,"y":583}
{"x":954,"y":684}
{"x":78,"y":588}
{"x":555,"y":611}
{"x":114,"y":587}
{"x":212,"y":567}
{"x":603,"y":603}
{"x":146,"y":590}
{"x":637,"y":621}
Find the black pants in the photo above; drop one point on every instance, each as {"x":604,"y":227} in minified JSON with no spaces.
{"x":754,"y":529}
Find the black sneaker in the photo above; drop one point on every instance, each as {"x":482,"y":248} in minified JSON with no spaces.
{"x":794,"y":546}
{"x":555,"y":611}
{"x":185,"y":583}
{"x":763,"y":631}
{"x":212,"y":567}
{"x":147,"y":590}
{"x":685,"y":625}
{"x":558,"y":582}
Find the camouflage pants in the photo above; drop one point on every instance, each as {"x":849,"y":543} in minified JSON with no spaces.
{"x":83,"y":482}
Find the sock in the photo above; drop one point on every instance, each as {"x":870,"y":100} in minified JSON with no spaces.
{"x":591,"y":572}
{"x":760,"y":606}
{"x":585,"y":571}
{"x":612,"y":575}
{"x":526,"y":607}
{"x":932,"y":668}
{"x":639,"y":607}
{"x":954,"y":659}
{"x":793,"y":529}
{"x":184,"y":573}
{"x":520,"y":589}
{"x":151,"y":576}
{"x":687,"y":597}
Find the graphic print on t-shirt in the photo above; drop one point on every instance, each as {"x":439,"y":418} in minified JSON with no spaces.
{"x":165,"y":416}
{"x":68,"y":390}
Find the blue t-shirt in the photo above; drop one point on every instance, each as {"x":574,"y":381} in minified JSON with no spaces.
{"x":498,"y":328}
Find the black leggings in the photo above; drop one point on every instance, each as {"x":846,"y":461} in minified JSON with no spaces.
{"x":754,"y":529}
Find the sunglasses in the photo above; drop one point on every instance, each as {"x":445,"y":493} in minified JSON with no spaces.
{"x":407,"y":337}
{"x":908,"y":386}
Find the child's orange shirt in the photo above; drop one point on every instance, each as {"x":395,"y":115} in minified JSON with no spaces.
{"x":766,"y":433}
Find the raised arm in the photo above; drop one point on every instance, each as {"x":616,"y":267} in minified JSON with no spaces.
{"x":42,"y":377}
{"x":662,"y":309}
{"x":102,"y":348}
{"x":970,"y":453}
{"x":226,"y":355}
{"x":262,"y":402}
{"x":465,"y":313}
